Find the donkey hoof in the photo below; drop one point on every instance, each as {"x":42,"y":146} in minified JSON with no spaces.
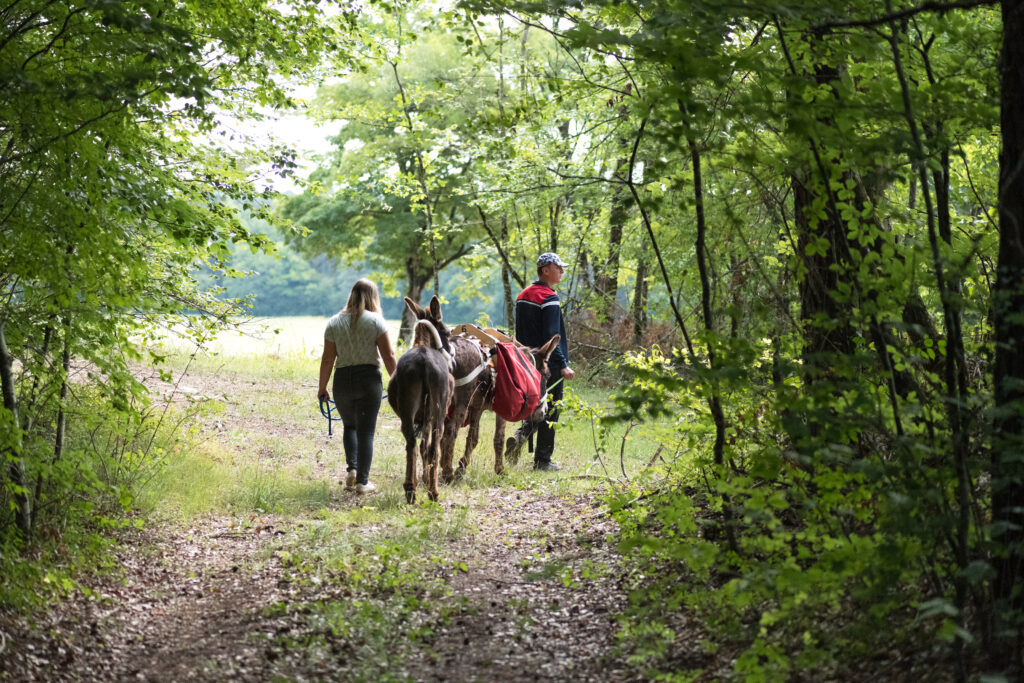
{"x":433,"y":495}
{"x":512,"y":447}
{"x":449,"y":478}
{"x":410,"y":497}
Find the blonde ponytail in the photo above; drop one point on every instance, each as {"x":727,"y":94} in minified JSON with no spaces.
{"x":363,"y":297}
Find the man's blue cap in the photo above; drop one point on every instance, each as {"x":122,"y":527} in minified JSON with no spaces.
{"x":549,"y":257}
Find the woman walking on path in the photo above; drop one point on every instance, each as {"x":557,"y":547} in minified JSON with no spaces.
{"x":355,"y":341}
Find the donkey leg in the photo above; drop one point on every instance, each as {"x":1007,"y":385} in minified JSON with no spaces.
{"x":435,"y":446}
{"x":472,"y":439}
{"x":514,"y":444}
{"x":410,"y":470}
{"x":499,"y":444}
{"x":451,"y":435}
{"x":425,"y":456}
{"x":447,"y":453}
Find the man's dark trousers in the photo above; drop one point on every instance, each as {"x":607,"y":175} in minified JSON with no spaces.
{"x":545,"y":432}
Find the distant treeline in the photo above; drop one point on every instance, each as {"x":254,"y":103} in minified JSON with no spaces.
{"x":293,"y":285}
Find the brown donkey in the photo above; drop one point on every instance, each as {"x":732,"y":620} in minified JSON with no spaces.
{"x":474,"y":389}
{"x":419,"y":393}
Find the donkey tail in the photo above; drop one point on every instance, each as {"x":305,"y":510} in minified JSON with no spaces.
{"x":424,"y":334}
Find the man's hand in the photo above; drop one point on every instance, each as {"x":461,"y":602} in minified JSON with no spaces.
{"x":567,"y":373}
{"x":322,"y":395}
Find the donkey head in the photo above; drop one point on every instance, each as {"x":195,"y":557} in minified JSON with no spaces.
{"x":541,"y":355}
{"x":432,"y":314}
{"x":540,"y":361}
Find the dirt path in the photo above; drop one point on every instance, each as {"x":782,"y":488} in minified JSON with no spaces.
{"x":537,"y":617}
{"x":532,"y":598}
{"x":193,"y":604}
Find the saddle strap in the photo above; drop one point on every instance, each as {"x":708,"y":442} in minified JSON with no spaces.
{"x":471,"y":376}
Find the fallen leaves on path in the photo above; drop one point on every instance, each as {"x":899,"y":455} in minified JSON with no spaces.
{"x":193,"y":603}
{"x":531,"y":595}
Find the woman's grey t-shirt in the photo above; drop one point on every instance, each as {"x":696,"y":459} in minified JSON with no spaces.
{"x":356,"y":345}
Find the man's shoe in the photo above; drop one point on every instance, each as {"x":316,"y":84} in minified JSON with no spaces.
{"x":546,"y":467}
{"x":368,"y":487}
{"x":350,"y":480}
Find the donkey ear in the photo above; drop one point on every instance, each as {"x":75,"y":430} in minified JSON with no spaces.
{"x":435,"y":308}
{"x":415,"y":309}
{"x":546,"y":350}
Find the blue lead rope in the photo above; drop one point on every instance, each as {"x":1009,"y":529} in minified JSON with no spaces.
{"x":330,"y":411}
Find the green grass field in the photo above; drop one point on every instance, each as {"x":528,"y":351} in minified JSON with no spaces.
{"x":262,"y":445}
{"x":285,"y":337}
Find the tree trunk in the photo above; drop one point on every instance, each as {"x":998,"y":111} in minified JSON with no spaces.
{"x":61,"y":430}
{"x":606,"y":280}
{"x":715,"y":399}
{"x":821,"y":280}
{"x":827,"y":328}
{"x":416,"y":283}
{"x":1008,"y":323}
{"x":554,"y":216}
{"x":506,"y":281}
{"x":640,"y":294}
{"x":12,"y":452}
{"x":564,"y":202}
{"x":583,"y":272}
{"x":954,"y":375}
{"x":58,"y":439}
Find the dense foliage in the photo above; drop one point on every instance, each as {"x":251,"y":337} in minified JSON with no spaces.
{"x":810,"y":194}
{"x":797,"y":226}
{"x":116,"y":180}
{"x":819,"y":188}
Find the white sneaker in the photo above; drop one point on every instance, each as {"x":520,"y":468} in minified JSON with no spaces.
{"x":368,"y":487}
{"x":350,"y":480}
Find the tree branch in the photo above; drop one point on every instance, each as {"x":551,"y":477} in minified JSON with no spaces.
{"x":501,"y":252}
{"x":904,"y":14}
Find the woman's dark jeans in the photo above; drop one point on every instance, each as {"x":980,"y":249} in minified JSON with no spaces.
{"x":357,"y":394}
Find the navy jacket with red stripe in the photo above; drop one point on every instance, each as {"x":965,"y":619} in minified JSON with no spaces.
{"x":538,"y":319}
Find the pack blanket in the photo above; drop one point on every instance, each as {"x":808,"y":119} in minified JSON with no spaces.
{"x":516,"y":384}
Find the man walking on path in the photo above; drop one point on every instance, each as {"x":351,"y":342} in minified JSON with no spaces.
{"x":538,"y":319}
